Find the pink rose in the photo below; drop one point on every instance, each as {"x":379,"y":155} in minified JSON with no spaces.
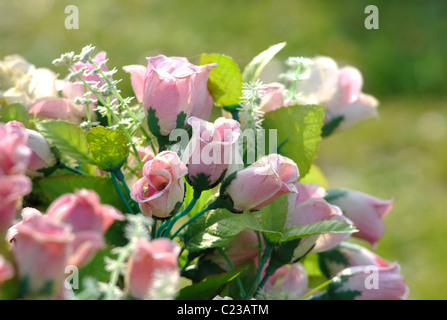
{"x":6,"y":270}
{"x":307,"y":207}
{"x":274,"y":97}
{"x":161,"y":189}
{"x":211,"y":149}
{"x":137,"y":73}
{"x":12,"y":189}
{"x":41,"y":155}
{"x":262,"y":182}
{"x":373,"y":283}
{"x":41,"y":250}
{"x":290,"y":282}
{"x":89,"y":220}
{"x":173,"y":86}
{"x":353,"y":255}
{"x":244,"y":247}
{"x":150,"y":260}
{"x":14,"y":152}
{"x":366,"y":212}
{"x":340,"y":90}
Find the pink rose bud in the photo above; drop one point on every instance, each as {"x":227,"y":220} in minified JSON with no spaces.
{"x":371,"y":283}
{"x":41,"y":155}
{"x":12,"y":189}
{"x":173,"y":86}
{"x":41,"y":250}
{"x":89,"y":220}
{"x":150,"y":261}
{"x":244,"y":247}
{"x":307,"y":207}
{"x":349,"y":255}
{"x":287,"y":283}
{"x":137,"y":73}
{"x":366,"y":212}
{"x":211,"y":149}
{"x":14,"y":152}
{"x":262,"y":182}
{"x":55,"y":108}
{"x":161,"y":190}
{"x":273,"y":98}
{"x":6,"y":270}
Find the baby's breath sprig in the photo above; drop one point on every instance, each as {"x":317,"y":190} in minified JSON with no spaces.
{"x":299,"y":70}
{"x":250,"y":113}
{"x":137,"y":228}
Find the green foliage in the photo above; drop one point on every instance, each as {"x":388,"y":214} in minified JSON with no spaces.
{"x":69,"y":138}
{"x":207,"y":288}
{"x":253,"y":69}
{"x":301,"y":127}
{"x":225,"y":80}
{"x":108,"y":147}
{"x":15,"y":111}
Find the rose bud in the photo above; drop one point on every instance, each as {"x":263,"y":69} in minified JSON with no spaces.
{"x":14,"y":152}
{"x":307,"y":207}
{"x":137,"y":73}
{"x":349,"y":255}
{"x":287,"y":283}
{"x":210,"y":150}
{"x":370,"y":283}
{"x":41,"y":155}
{"x":366,"y":212}
{"x":89,"y":220}
{"x":161,"y":190}
{"x":6,"y":270}
{"x":12,"y":189}
{"x":273,"y":98}
{"x":150,"y":260}
{"x":173,"y":86}
{"x":41,"y":250}
{"x":262,"y":182}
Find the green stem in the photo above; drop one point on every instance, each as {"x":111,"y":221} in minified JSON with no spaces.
{"x":209,"y":207}
{"x":120,"y":193}
{"x":267,"y":252}
{"x":190,"y":206}
{"x":123,"y":102}
{"x":238,"y":281}
{"x":87,"y":108}
{"x":62,"y":165}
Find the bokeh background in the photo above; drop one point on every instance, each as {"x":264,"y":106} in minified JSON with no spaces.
{"x":403,"y":155}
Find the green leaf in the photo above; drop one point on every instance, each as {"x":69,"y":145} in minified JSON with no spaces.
{"x":300,"y":126}
{"x":68,"y":138}
{"x":254,"y":68}
{"x":53,"y":187}
{"x":214,"y":229}
{"x":15,"y":111}
{"x":282,"y":255}
{"x":207,"y":288}
{"x":225,"y":81}
{"x":320,"y":227}
{"x":330,"y":127}
{"x":109,"y":147}
{"x":250,"y":221}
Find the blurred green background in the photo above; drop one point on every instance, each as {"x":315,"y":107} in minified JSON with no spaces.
{"x":401,"y":156}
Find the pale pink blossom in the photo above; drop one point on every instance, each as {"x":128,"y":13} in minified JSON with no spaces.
{"x":148,"y":261}
{"x":262,"y":182}
{"x":162,"y":188}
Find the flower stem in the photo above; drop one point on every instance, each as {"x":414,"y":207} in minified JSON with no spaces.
{"x":63,"y":165}
{"x":238,"y":280}
{"x":190,"y":206}
{"x":267,"y":252}
{"x":209,"y":207}
{"x":120,"y":193}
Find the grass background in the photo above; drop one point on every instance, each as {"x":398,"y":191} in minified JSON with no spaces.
{"x":401,"y":156}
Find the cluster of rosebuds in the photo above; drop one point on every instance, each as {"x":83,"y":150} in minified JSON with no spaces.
{"x":204,"y":202}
